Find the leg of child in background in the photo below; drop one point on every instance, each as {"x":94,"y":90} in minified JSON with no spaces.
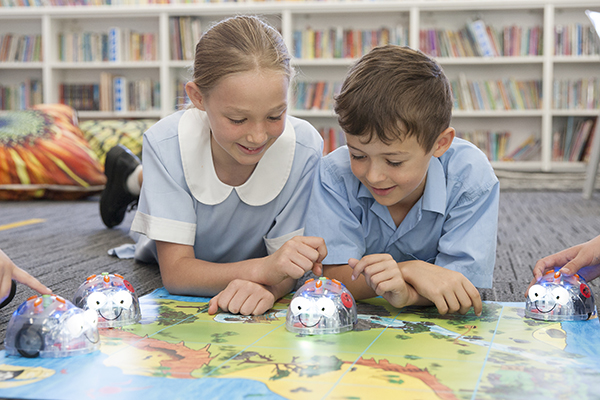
{"x":123,"y":172}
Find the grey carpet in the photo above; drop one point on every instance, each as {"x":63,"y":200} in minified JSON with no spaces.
{"x":72,"y":243}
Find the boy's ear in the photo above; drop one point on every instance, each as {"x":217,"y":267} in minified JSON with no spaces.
{"x":195,"y":95}
{"x":443,"y":142}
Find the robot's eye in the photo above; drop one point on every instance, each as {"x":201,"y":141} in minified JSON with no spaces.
{"x":326,"y":307}
{"x":75,"y":324}
{"x":561,"y":295}
{"x":536,"y":292}
{"x":96,"y":301}
{"x":301,"y":305}
{"x":122,"y":299}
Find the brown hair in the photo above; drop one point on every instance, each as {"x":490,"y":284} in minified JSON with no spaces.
{"x":238,"y":44}
{"x":395,"y":92}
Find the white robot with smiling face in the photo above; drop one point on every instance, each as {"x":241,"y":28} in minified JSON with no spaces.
{"x":113,"y":299}
{"x":558,"y":297}
{"x":321,"y":306}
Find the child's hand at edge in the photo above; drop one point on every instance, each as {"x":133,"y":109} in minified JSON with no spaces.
{"x":296,"y":257}
{"x":448,"y":290}
{"x":9,"y":271}
{"x":583,"y":259}
{"x":242,"y":297}
{"x":384,"y":277}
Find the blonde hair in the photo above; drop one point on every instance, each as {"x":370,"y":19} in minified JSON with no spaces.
{"x":238,"y":44}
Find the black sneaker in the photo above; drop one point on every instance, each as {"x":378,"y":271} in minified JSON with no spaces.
{"x":115,"y":198}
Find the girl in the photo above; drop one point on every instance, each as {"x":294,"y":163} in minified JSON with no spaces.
{"x":226,"y":182}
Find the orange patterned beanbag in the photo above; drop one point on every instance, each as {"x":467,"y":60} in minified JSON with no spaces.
{"x":43,"y":154}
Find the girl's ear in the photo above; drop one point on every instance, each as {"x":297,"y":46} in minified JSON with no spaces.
{"x":443,"y":142}
{"x":195,"y":95}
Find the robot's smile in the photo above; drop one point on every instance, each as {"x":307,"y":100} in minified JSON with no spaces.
{"x":111,"y":319}
{"x":309,"y":326}
{"x":545,"y":312}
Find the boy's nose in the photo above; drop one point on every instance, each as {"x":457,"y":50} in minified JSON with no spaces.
{"x":374,"y":174}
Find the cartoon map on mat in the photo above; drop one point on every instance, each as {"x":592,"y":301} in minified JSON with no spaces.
{"x":178,"y":351}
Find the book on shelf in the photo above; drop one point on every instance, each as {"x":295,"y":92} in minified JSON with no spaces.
{"x":572,"y":142}
{"x":120,"y":94}
{"x":575,"y":94}
{"x":525,"y":151}
{"x":20,"y":95}
{"x":184,"y":33}
{"x":505,"y":94}
{"x":575,"y":40}
{"x":315,"y":95}
{"x":478,"y":39}
{"x":115,"y":51}
{"x":337,"y":42}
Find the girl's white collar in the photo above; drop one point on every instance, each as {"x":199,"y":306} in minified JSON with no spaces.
{"x":265,"y":183}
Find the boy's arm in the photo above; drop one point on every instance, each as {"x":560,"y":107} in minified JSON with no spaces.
{"x":449,"y":290}
{"x":361,"y":289}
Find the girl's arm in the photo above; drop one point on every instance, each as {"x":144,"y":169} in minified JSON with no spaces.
{"x":182,"y":273}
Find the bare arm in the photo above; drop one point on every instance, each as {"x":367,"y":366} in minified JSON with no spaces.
{"x":360,"y":288}
{"x":183,"y":274}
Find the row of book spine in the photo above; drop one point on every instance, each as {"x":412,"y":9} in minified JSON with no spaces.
{"x":576,"y":40}
{"x":45,"y":3}
{"x":20,"y":48}
{"x":572,"y":143}
{"x":337,"y":42}
{"x":493,"y":143}
{"x":576,"y":94}
{"x":315,"y":95}
{"x":477,"y":39}
{"x":115,"y":45}
{"x":505,"y":94}
{"x":20,"y":96}
{"x":185,"y":33}
{"x":113,"y":93}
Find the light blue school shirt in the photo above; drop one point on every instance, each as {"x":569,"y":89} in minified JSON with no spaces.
{"x":452,"y":225}
{"x":183,"y":201}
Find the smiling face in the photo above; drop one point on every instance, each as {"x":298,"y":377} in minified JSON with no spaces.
{"x":111,"y":297}
{"x":246,"y":112}
{"x":321,"y":306}
{"x":557,"y":297}
{"x":394,"y":173}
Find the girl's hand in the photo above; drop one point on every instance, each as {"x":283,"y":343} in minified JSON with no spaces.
{"x":384,"y":277}
{"x":297,"y":256}
{"x":449,"y":290}
{"x":242,"y":297}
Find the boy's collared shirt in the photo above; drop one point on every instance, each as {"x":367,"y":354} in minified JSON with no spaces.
{"x":452,"y":225}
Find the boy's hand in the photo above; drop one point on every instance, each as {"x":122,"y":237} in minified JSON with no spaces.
{"x":297,"y":256}
{"x":242,"y":297}
{"x":449,"y":290}
{"x":384,"y":277}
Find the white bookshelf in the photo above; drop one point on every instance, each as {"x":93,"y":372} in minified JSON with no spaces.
{"x":415,"y":15}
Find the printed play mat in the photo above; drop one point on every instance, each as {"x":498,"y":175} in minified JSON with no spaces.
{"x":178,"y":351}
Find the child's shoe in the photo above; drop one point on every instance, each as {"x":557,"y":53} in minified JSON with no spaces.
{"x":115,"y":198}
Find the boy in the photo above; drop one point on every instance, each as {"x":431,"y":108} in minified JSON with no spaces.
{"x":407,"y":211}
